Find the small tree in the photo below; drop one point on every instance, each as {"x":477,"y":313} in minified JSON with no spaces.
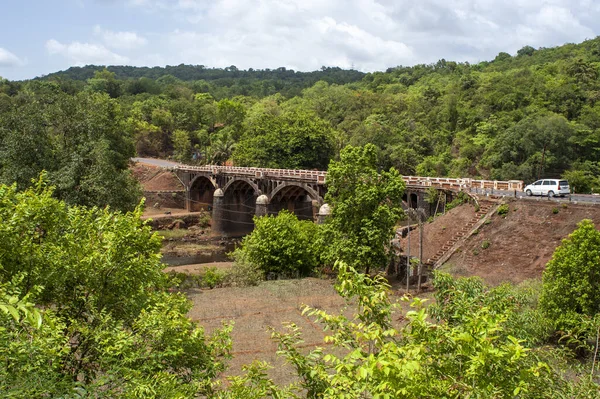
{"x":366,"y":206}
{"x":281,"y":245}
{"x":571,"y":281}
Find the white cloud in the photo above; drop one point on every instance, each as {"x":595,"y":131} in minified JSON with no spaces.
{"x":120,"y":40}
{"x":8,"y":59}
{"x":367,"y":34}
{"x":85,"y":53}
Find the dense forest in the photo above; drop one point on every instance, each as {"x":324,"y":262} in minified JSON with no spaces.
{"x":523,"y":116}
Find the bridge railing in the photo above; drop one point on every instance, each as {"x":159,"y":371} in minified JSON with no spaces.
{"x":457,"y":183}
{"x":314,"y":175}
{"x":320,"y":176}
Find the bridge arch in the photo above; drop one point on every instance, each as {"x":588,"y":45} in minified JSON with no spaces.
{"x":301,"y":199}
{"x":201,"y":193}
{"x":286,"y":186}
{"x":236,"y":182}
{"x":239,"y":206}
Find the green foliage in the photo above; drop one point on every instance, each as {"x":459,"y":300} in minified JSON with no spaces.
{"x":182,"y":146}
{"x":468,"y":357}
{"x":571,"y":289}
{"x":77,"y":139}
{"x":432,"y":195}
{"x":105,"y":325}
{"x":555,"y":211}
{"x":535,"y":114}
{"x":366,"y":207}
{"x":255,"y":384}
{"x":281,"y":246}
{"x":461,"y":198}
{"x":292,"y":139}
{"x":485,"y":244}
{"x":244,"y":274}
{"x":212,"y":277}
{"x":457,"y":298}
{"x":503,"y":210}
{"x":583,"y":181}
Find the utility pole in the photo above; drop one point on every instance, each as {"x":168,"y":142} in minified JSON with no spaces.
{"x":409,"y":213}
{"x":421,"y":213}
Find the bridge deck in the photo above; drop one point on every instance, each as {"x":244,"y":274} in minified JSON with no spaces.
{"x":320,"y":176}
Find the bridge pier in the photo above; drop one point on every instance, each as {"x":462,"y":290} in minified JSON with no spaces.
{"x":262,"y":205}
{"x":218,"y":213}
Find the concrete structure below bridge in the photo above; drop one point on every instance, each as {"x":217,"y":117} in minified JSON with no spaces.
{"x":236,"y":194}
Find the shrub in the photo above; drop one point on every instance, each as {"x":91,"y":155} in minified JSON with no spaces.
{"x":460,"y":199}
{"x":571,"y":281}
{"x":458,"y":298}
{"x":485,"y":244}
{"x":243,"y":274}
{"x":554,"y":211}
{"x":212,"y":277}
{"x":503,"y":210}
{"x":281,"y":245}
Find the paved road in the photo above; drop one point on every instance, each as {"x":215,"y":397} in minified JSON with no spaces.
{"x":156,"y":162}
{"x":575,"y":198}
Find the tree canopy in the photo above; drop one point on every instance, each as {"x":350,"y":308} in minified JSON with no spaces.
{"x":523,"y":116}
{"x":365,"y":207}
{"x":105,"y":325}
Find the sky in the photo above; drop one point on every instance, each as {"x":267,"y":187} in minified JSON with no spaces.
{"x":38,"y":37}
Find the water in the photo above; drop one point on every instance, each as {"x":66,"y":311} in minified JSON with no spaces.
{"x":219,"y":255}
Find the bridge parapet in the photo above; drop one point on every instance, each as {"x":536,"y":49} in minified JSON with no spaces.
{"x":459,"y":183}
{"x":312,"y":176}
{"x":319,"y":177}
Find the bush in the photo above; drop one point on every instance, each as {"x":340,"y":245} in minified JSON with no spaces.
{"x":554,"y":211}
{"x":212,"y":278}
{"x":457,"y":299}
{"x":281,"y":245}
{"x":460,"y":199}
{"x":485,"y":244}
{"x":503,"y":210}
{"x":243,"y":274}
{"x":571,"y":281}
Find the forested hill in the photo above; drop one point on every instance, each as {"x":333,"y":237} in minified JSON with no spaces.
{"x":249,"y":82}
{"x":523,"y":116}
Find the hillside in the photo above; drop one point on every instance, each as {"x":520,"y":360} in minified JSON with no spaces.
{"x":520,"y":244}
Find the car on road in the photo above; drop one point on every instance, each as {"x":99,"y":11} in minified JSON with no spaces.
{"x":548,"y":187}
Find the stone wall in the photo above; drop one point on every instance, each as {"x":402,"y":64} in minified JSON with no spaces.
{"x":165,"y":199}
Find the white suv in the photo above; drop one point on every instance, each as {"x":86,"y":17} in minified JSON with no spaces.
{"x":549,"y":187}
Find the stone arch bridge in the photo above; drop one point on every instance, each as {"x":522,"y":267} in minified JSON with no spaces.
{"x":236,"y":194}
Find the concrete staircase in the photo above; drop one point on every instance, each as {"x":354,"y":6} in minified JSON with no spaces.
{"x":486,"y":209}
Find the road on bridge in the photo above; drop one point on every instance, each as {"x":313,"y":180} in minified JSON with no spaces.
{"x":157,"y":162}
{"x":583,"y":198}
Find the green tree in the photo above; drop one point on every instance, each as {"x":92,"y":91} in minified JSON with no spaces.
{"x":79,"y":140}
{"x":109,"y":327}
{"x":571,"y":280}
{"x":281,"y":245}
{"x":105,"y":82}
{"x":291,"y":139}
{"x":182,"y":145}
{"x":366,"y":206}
